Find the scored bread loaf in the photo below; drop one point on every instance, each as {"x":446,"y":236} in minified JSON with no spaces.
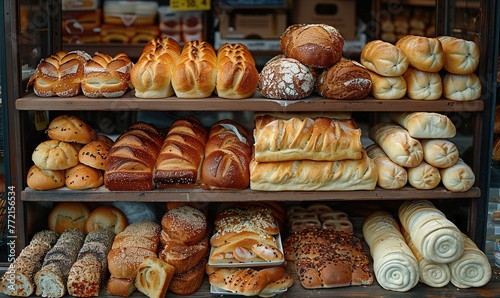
{"x":424,"y":53}
{"x":461,"y":87}
{"x":424,"y":176}
{"x":459,"y":177}
{"x":39,"y":179}
{"x":151,"y":76}
{"x":440,"y":153}
{"x":195,"y":75}
{"x":384,"y":58}
{"x":321,"y":139}
{"x":70,"y":128}
{"x":153,"y":277}
{"x":387,"y":87}
{"x":237,"y":75}
{"x":425,"y":125}
{"x":423,"y":85}
{"x":390,"y":175}
{"x":460,"y":56}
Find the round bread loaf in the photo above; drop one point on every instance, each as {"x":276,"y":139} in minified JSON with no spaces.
{"x":461,"y":87}
{"x":66,"y":215}
{"x":423,"y":53}
{"x":94,"y":154}
{"x":387,"y":87}
{"x":55,"y":155}
{"x":314,"y":45}
{"x":440,"y":153}
{"x":285,"y":78}
{"x":186,"y":283}
{"x":460,"y":56}
{"x":384,"y":58}
{"x":106,"y":217}
{"x":83,"y":177}
{"x":185,"y":223}
{"x":423,"y":85}
{"x":38,"y":179}
{"x":70,"y":128}
{"x":346,"y":79}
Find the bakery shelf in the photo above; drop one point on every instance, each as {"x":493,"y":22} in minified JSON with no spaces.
{"x":128,"y":102}
{"x":198,"y":195}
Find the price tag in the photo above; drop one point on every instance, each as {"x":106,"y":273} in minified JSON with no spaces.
{"x":40,"y":120}
{"x":190,"y":5}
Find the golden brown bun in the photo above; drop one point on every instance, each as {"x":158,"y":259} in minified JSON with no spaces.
{"x":286,"y":78}
{"x":66,"y":215}
{"x":460,"y":56}
{"x":390,"y":174}
{"x":384,"y":58}
{"x":153,"y":277}
{"x":461,"y":87}
{"x":440,"y":153}
{"x":55,"y":155}
{"x":124,"y":262}
{"x":459,"y":177}
{"x":185,"y":223}
{"x":106,"y":76}
{"x":151,"y":75}
{"x":83,"y":177}
{"x":424,"y":176}
{"x":423,"y":85}
{"x":106,"y":217}
{"x":94,"y":154}
{"x":38,"y":179}
{"x":195,"y":75}
{"x":424,"y":53}
{"x":387,"y":87}
{"x":105,"y":139}
{"x":59,"y":74}
{"x":121,"y":286}
{"x":70,"y":128}
{"x":346,"y":79}
{"x":188,"y":282}
{"x":314,"y":45}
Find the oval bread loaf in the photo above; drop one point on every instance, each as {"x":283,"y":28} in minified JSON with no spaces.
{"x":458,"y":177}
{"x":387,"y":87}
{"x":346,"y":79}
{"x":424,"y":176}
{"x":440,"y":153}
{"x":422,"y":125}
{"x":390,"y":175}
{"x":460,"y":56}
{"x":384,"y":58}
{"x":423,"y":85}
{"x":106,"y":217}
{"x":461,"y":87}
{"x":424,"y":53}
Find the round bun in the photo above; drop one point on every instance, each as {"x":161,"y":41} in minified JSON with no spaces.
{"x":461,"y":87}
{"x":285,"y":78}
{"x":315,"y":45}
{"x":70,"y":128}
{"x":38,"y":179}
{"x":185,"y":223}
{"x":423,"y":53}
{"x":423,"y":85}
{"x":106,"y":217}
{"x":55,"y":155}
{"x":105,"y":139}
{"x":460,"y":56}
{"x":94,"y":154}
{"x":83,"y":177}
{"x":347,"y":79}
{"x":66,"y":215}
{"x":384,"y":58}
{"x":387,"y":87}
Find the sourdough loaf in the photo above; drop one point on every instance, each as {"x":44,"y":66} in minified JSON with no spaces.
{"x":346,"y":79}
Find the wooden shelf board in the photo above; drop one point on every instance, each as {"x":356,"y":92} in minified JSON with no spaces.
{"x":128,"y":102}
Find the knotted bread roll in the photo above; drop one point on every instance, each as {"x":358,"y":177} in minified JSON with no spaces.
{"x":423,"y":85}
{"x":461,"y":87}
{"x":460,"y":56}
{"x":424,"y":53}
{"x":440,"y":153}
{"x":384,"y":58}
{"x":387,"y":87}
{"x":390,"y":175}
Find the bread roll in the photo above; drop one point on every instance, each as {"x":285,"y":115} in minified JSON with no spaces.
{"x":152,"y":74}
{"x":424,"y":53}
{"x":153,"y":277}
{"x":105,"y":139}
{"x":66,"y":215}
{"x":424,"y":176}
{"x":106,"y":217}
{"x":459,"y":177}
{"x":387,"y":87}
{"x":346,"y":79}
{"x":39,"y":179}
{"x":397,"y":143}
{"x":195,"y":75}
{"x":425,"y":125}
{"x":83,"y":177}
{"x":461,"y":87}
{"x":70,"y":128}
{"x":422,"y":85}
{"x":124,"y":262}
{"x":106,"y":76}
{"x":94,"y":154}
{"x":185,"y":223}
{"x":440,"y":153}
{"x":121,"y":286}
{"x":237,"y":75}
{"x":186,"y":283}
{"x":460,"y":56}
{"x":55,"y":155}
{"x":384,"y":58}
{"x":285,"y":78}
{"x":390,"y":175}
{"x":315,"y":45}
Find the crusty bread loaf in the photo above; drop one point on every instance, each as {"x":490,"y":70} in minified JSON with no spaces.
{"x":124,"y":262}
{"x":424,"y":176}
{"x":423,"y":85}
{"x":195,"y":75}
{"x":55,"y":155}
{"x":181,"y":256}
{"x":346,"y":79}
{"x":425,"y":125}
{"x":390,"y":175}
{"x":106,"y":217}
{"x":106,"y":76}
{"x":461,"y":87}
{"x":185,"y":223}
{"x":152,"y":74}
{"x":315,"y":45}
{"x":83,"y":177}
{"x":321,"y":139}
{"x":384,"y":58}
{"x":227,"y":157}
{"x":121,"y":286}
{"x":153,"y":277}
{"x":440,"y":153}
{"x":459,"y":177}
{"x":424,"y":53}
{"x":94,"y":154}
{"x":66,"y":215}
{"x":186,"y":283}
{"x":59,"y":74}
{"x":397,"y":143}
{"x":180,"y":159}
{"x":460,"y":56}
{"x":387,"y":87}
{"x":70,"y":128}
{"x":39,"y":179}
{"x":286,"y":78}
{"x":237,"y":75}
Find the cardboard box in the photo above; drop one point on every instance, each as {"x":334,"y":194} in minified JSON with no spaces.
{"x":341,"y":14}
{"x":266,"y":25}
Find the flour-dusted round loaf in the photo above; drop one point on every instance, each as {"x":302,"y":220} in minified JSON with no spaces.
{"x":458,"y":177}
{"x":83,"y":177}
{"x":70,"y":128}
{"x":440,"y":153}
{"x":94,"y":154}
{"x":346,"y":79}
{"x":424,"y":53}
{"x":39,"y":179}
{"x":424,"y":176}
{"x":286,"y":78}
{"x":387,"y":87}
{"x":55,"y":155}
{"x":384,"y":58}
{"x":460,"y":56}
{"x":315,"y":45}
{"x":461,"y":87}
{"x":185,"y":223}
{"x":423,"y":85}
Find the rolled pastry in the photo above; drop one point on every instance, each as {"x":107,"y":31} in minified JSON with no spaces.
{"x":423,"y":85}
{"x":458,"y":177}
{"x":440,"y":153}
{"x":461,"y":87}
{"x":428,"y":125}
{"x":387,"y":87}
{"x":390,"y":175}
{"x":424,"y":176}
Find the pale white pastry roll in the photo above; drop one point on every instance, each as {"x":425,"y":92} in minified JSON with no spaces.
{"x":458,"y":177}
{"x":440,"y":153}
{"x":461,"y":87}
{"x":423,"y":85}
{"x":384,"y":87}
{"x":425,"y":125}
{"x":424,"y":176}
{"x":390,"y":175}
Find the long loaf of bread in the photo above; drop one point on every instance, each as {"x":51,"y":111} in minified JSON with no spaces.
{"x":425,"y":124}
